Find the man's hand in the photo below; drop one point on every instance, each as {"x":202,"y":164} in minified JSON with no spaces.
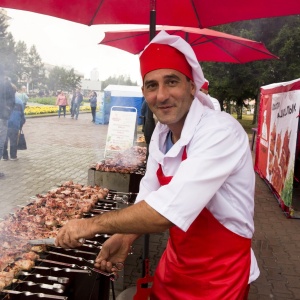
{"x":114,"y":252}
{"x":69,"y":235}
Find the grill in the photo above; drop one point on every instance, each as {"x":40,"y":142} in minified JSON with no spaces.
{"x":69,"y":273}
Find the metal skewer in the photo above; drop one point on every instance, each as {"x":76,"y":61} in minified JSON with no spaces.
{"x":70,"y":256}
{"x":40,"y":295}
{"x":51,"y":278}
{"x":68,"y":270}
{"x":94,"y":242}
{"x":111,"y":275}
{"x":59,"y":288}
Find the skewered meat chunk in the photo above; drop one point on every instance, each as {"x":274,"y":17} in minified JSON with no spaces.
{"x":24,"y":264}
{"x":6,"y":278}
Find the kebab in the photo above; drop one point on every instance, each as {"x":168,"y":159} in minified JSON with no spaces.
{"x":41,"y":219}
{"x":128,"y":161}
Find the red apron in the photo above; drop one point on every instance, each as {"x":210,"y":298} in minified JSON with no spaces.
{"x":208,"y":262}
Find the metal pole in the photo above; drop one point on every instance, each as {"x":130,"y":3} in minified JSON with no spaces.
{"x":149,"y":122}
{"x":148,"y":130}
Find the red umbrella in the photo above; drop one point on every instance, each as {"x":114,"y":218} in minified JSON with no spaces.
{"x":209,"y":45}
{"x":194,"y":13}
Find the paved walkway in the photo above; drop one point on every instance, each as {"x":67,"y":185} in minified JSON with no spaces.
{"x":63,"y":149}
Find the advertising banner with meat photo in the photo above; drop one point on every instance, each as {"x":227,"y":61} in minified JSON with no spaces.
{"x":277,"y":138}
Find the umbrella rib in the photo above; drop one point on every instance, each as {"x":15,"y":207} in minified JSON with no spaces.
{"x":122,"y":39}
{"x":211,"y":40}
{"x":196,"y":14}
{"x":96,"y":12}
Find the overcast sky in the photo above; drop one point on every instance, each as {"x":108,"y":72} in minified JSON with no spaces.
{"x":60,"y":42}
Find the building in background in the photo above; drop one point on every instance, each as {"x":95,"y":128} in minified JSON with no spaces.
{"x":91,"y":85}
{"x":94,"y":74}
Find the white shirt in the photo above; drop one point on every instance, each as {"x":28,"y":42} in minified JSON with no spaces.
{"x":215,"y":102}
{"x":217,"y":174}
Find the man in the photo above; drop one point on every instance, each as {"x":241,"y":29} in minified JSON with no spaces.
{"x":78,"y":98}
{"x":23,"y":96}
{"x":7,"y":101}
{"x":71,"y":100}
{"x":199,"y":184}
{"x":215,"y":102}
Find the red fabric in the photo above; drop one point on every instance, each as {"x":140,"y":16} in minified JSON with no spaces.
{"x":202,"y":14}
{"x":208,"y":262}
{"x":159,"y":56}
{"x":205,"y":85}
{"x":208,"y":45}
{"x":163,"y":180}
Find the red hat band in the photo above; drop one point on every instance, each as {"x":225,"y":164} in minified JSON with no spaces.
{"x":161,"y":56}
{"x":205,"y":86}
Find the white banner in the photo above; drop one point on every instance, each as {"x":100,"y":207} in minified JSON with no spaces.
{"x":121,"y":129}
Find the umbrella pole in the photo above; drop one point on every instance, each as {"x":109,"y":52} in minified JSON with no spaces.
{"x":149,"y":128}
{"x":152,"y":19}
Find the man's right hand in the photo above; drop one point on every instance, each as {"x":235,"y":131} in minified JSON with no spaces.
{"x":114,"y":252}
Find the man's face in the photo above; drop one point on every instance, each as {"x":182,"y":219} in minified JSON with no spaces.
{"x":169,"y":95}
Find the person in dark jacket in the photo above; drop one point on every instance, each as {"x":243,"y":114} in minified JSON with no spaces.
{"x":15,"y":124}
{"x":93,"y":104}
{"x":144,"y":111}
{"x":7,"y":100}
{"x":76,"y":104}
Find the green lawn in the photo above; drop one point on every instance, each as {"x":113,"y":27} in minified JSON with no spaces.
{"x":246,"y":122}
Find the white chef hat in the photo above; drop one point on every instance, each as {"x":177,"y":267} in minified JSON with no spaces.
{"x":182,"y":46}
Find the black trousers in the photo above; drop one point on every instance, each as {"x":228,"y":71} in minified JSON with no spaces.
{"x":94,"y":113}
{"x":12,"y":137}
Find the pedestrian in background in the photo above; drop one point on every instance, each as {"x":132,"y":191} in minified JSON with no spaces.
{"x":7,"y":101}
{"x":15,"y":124}
{"x":71,"y":101}
{"x":144,"y":112}
{"x":78,"y":98}
{"x":23,"y":96}
{"x":215,"y":102}
{"x":62,"y":103}
{"x":93,"y":104}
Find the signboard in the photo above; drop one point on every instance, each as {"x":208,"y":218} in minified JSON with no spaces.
{"x":277,"y":138}
{"x":121,"y":129}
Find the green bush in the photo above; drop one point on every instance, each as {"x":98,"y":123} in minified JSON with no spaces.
{"x":50,"y":100}
{"x":44,"y":100}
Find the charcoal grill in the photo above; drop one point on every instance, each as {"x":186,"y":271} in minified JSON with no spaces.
{"x":69,"y":273}
{"x":69,"y":277}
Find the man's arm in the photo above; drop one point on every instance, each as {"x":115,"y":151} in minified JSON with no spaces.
{"x":136,"y":219}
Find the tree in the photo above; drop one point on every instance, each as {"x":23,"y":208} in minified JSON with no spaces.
{"x":7,"y":45}
{"x":230,"y":82}
{"x":22,"y":62}
{"x":120,"y":80}
{"x":72,"y":81}
{"x":62,"y":79}
{"x":36,"y":69}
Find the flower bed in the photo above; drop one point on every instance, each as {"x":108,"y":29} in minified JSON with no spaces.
{"x":39,"y":110}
